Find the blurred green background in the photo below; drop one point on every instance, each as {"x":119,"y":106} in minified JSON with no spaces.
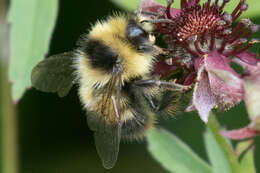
{"x":53,"y":136}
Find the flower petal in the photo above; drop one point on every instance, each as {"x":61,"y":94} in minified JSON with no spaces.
{"x":189,"y":79}
{"x":198,"y":62}
{"x":228,"y":78}
{"x":189,"y":3}
{"x":251,"y":87}
{"x":203,"y":98}
{"x":190,"y":107}
{"x":247,"y":69}
{"x":193,"y":2}
{"x":252,"y":92}
{"x":247,"y":132}
{"x":151,"y":6}
{"x":162,"y":69}
{"x":217,"y":61}
{"x":248,"y":57}
{"x":226,"y":85}
{"x":184,"y":4}
{"x":238,"y":134}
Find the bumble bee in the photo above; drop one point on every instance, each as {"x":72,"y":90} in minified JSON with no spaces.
{"x":112,"y":67}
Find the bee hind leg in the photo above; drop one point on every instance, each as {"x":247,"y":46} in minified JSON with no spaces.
{"x":151,"y":102}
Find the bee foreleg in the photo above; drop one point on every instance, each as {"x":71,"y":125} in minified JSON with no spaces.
{"x":154,"y":21}
{"x":169,"y":85}
{"x":150,"y":13}
{"x":160,"y":51}
{"x":173,"y":86}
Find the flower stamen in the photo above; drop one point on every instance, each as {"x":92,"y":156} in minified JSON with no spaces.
{"x":216,"y":2}
{"x":168,"y":9}
{"x":199,"y":29}
{"x":223,"y":4}
{"x":212,"y":41}
{"x":250,"y":44}
{"x":241,"y":7}
{"x":186,"y":46}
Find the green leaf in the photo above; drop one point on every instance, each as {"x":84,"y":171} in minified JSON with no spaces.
{"x":173,"y":154}
{"x":54,"y":74}
{"x":133,"y":4}
{"x":252,"y":11}
{"x":216,"y":155}
{"x":247,"y":161}
{"x":127,"y":5}
{"x":32,"y":23}
{"x":164,"y":3}
{"x":220,"y":150}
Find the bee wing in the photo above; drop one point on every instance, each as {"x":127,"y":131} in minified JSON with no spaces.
{"x":107,"y":135}
{"x":54,"y":74}
{"x":107,"y":139}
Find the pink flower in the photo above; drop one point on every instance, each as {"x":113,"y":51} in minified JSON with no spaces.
{"x":202,"y":42}
{"x":239,"y":134}
{"x":251,"y":76}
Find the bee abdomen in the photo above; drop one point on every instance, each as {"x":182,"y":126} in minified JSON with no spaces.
{"x":136,"y":127}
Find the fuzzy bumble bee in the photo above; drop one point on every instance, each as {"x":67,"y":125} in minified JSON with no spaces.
{"x":113,"y":69}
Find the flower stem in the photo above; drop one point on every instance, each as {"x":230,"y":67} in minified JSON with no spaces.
{"x":8,"y":126}
{"x":8,"y":131}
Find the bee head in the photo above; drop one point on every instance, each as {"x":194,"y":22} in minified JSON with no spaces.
{"x":139,"y":34}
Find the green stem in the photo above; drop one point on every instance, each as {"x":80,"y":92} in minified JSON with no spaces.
{"x":8,"y":131}
{"x":8,"y":123}
{"x":223,"y":143}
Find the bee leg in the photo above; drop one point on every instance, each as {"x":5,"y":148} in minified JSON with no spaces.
{"x":154,"y":21}
{"x":161,"y":51}
{"x":117,"y":111}
{"x":151,"y":102}
{"x":167,"y":84}
{"x":150,"y":13}
{"x":172,"y":85}
{"x":117,"y":70}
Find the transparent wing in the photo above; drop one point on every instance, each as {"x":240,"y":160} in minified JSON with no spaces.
{"x":107,"y":134}
{"x":107,"y":139}
{"x":54,"y":74}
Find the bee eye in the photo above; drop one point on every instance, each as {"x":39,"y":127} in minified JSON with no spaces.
{"x":138,"y":37}
{"x":135,"y":31}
